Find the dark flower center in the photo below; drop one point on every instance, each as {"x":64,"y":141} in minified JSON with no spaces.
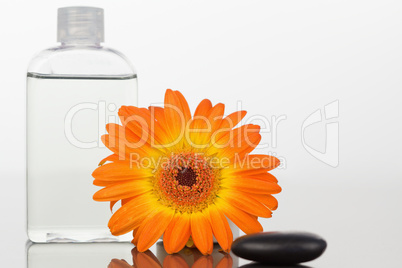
{"x":186,"y":183}
{"x":186,"y":177}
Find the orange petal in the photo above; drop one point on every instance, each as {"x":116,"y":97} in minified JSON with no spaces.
{"x":246,"y":203}
{"x":159,"y":114}
{"x":177,"y":233}
{"x":112,"y":157}
{"x":201,"y":233}
{"x":203,"y":108}
{"x":184,"y":106}
{"x":262,"y":176}
{"x":126,"y":200}
{"x":112,"y":203}
{"x":247,"y":145}
{"x":237,"y":142}
{"x":123,"y":190}
{"x":137,"y":121}
{"x":135,"y":237}
{"x":233,"y":119}
{"x":131,"y":215}
{"x":246,"y":222}
{"x":252,"y":164}
{"x":215,"y":115}
{"x":268,"y":200}
{"x":127,"y":151}
{"x":106,"y":183}
{"x":153,"y":227}
{"x":250,"y":185}
{"x":142,"y":123}
{"x":220,"y":228}
{"x":213,"y":121}
{"x":174,"y":116}
{"x":200,"y":125}
{"x":226,"y":125}
{"x":119,"y":171}
{"x":123,"y":142}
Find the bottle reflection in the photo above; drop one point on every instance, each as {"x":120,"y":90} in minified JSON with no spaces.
{"x":122,"y":255}
{"x":67,"y":255}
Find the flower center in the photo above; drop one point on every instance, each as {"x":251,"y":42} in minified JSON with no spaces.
{"x":186,"y":177}
{"x":186,"y":182}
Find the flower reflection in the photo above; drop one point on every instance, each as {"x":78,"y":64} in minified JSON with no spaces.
{"x":145,"y":260}
{"x":115,"y":263}
{"x":186,"y":258}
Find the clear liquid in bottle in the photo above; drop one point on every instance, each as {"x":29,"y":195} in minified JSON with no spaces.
{"x":73,"y":91}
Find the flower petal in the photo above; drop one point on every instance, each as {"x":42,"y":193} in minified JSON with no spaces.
{"x":123,"y":142}
{"x":153,"y":227}
{"x":268,"y":200}
{"x":175,"y":119}
{"x":246,"y":203}
{"x":246,"y":222}
{"x":220,"y":228}
{"x":184,"y":106}
{"x":251,"y":185}
{"x":201,"y":233}
{"x":226,"y":125}
{"x":262,"y":176}
{"x":252,"y":164}
{"x":135,"y":237}
{"x":236,"y":143}
{"x":203,"y":108}
{"x":123,"y":190}
{"x":233,"y":119}
{"x":106,"y":183}
{"x":132,"y":214}
{"x":215,"y":116}
{"x":200,"y":125}
{"x":112,"y":203}
{"x":119,"y":171}
{"x":112,"y":157}
{"x":177,"y":233}
{"x":146,"y":123}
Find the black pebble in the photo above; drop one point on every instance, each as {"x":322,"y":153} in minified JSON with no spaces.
{"x":279,"y":248}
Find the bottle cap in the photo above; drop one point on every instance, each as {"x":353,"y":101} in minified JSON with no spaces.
{"x":80,"y":25}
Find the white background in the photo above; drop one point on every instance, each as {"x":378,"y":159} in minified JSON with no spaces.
{"x":276,"y":57}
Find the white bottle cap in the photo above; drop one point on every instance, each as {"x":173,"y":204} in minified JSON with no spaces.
{"x":80,"y":25}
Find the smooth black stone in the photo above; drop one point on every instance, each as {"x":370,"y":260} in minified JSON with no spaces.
{"x":279,"y":248}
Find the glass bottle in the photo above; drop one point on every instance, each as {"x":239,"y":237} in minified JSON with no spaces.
{"x":73,"y":90}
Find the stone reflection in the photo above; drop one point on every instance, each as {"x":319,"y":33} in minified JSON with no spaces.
{"x":261,"y":265}
{"x":186,"y":258}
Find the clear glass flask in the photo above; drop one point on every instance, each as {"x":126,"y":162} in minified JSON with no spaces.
{"x":73,"y":90}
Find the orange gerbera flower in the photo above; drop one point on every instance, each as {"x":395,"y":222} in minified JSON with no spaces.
{"x":184,"y":176}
